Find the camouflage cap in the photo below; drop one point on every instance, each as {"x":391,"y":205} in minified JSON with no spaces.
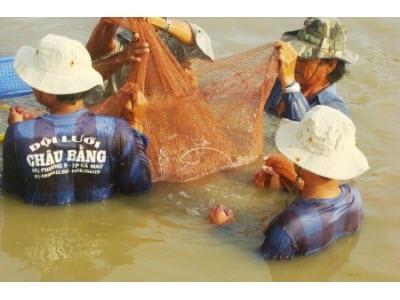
{"x":321,"y":38}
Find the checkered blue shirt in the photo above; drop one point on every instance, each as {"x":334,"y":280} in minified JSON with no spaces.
{"x":297,"y":105}
{"x":59,"y":159}
{"x":308,"y":226}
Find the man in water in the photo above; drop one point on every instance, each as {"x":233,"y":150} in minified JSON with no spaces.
{"x":69,"y":154}
{"x":323,"y":148}
{"x":312,"y":60}
{"x":186,"y":41}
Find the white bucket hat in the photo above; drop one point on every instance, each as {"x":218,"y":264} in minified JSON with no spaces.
{"x":57,"y":66}
{"x":324,"y":143}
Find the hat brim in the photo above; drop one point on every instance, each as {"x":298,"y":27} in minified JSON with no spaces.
{"x":340,"y":165}
{"x":307,"y":50}
{"x":58,"y":84}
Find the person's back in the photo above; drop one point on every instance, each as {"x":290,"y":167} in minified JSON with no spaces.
{"x":68,"y":154}
{"x":58,"y":159}
{"x":309,"y":226}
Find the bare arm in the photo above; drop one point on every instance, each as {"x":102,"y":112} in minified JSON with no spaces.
{"x":108,"y":66}
{"x":181,"y":30}
{"x":101,"y":41}
{"x":131,"y":54}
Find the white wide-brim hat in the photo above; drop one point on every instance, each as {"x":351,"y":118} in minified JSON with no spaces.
{"x":57,"y":66}
{"x":322,"y":143}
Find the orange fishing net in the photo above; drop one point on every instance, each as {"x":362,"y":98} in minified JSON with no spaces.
{"x":285,"y":169}
{"x":197,"y":128}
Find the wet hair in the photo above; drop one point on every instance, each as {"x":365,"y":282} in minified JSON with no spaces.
{"x":72,"y":98}
{"x":339,"y":71}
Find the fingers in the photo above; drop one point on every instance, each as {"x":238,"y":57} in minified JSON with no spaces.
{"x":278,"y":44}
{"x":136,"y":38}
{"x":285,"y":50}
{"x":220,"y":209}
{"x":139,"y":50}
{"x":220,"y":215}
{"x":136,"y":50}
{"x":134,"y":58}
{"x":268,"y":170}
{"x":138,"y":45}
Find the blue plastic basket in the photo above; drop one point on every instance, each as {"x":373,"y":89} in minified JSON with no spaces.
{"x":10,"y":84}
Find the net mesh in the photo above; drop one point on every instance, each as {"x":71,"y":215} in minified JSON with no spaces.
{"x":284,"y":168}
{"x":197,"y":122}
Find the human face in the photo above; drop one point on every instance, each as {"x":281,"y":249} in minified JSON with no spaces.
{"x":305,"y":69}
{"x":313,"y":71}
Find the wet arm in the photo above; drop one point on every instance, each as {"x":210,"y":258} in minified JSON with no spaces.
{"x":11,"y":181}
{"x":101,"y":41}
{"x":296,"y":106}
{"x":181,"y":30}
{"x":134,"y":172}
{"x":108,"y":66}
{"x":277,"y":244}
{"x":292,"y":106}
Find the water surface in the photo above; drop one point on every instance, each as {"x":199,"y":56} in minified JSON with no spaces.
{"x":164,"y":235}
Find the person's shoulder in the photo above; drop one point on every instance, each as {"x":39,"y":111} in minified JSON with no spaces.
{"x":122,"y":124}
{"x":21,"y":128}
{"x":119,"y":126}
{"x":105,"y":124}
{"x":287,"y":219}
{"x":330,"y":97}
{"x":279,"y":242}
{"x":329,"y":94}
{"x":351,"y":192}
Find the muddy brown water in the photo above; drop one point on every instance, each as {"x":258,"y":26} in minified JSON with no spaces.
{"x":164,"y":235}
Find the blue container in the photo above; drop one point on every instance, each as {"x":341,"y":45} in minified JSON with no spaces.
{"x":10,"y":84}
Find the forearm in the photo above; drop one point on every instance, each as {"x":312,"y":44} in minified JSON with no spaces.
{"x":181,"y":30}
{"x":101,"y":41}
{"x":277,"y":244}
{"x":296,"y":106}
{"x":135,"y":176}
{"x":10,"y":182}
{"x":108,"y":66}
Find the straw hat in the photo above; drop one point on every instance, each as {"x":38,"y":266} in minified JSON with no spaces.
{"x":57,"y":66}
{"x":324,"y":143}
{"x":321,"y":38}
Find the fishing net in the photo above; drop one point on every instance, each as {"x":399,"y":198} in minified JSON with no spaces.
{"x":196,"y":126}
{"x":286,"y":171}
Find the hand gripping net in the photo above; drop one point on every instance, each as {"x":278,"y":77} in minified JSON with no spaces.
{"x":197,"y":128}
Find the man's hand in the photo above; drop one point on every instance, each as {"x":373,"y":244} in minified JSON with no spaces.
{"x":221,"y":215}
{"x":19,"y":113}
{"x":133,"y":51}
{"x":14,"y":116}
{"x":275,"y":179}
{"x":135,"y":110}
{"x":287,"y":56}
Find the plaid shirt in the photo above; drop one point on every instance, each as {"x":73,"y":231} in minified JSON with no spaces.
{"x":297,"y":105}
{"x":59,"y":159}
{"x":309,"y":226}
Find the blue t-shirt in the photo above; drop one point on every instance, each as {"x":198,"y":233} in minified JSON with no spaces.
{"x":59,"y":159}
{"x":297,"y":105}
{"x":308,"y":226}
